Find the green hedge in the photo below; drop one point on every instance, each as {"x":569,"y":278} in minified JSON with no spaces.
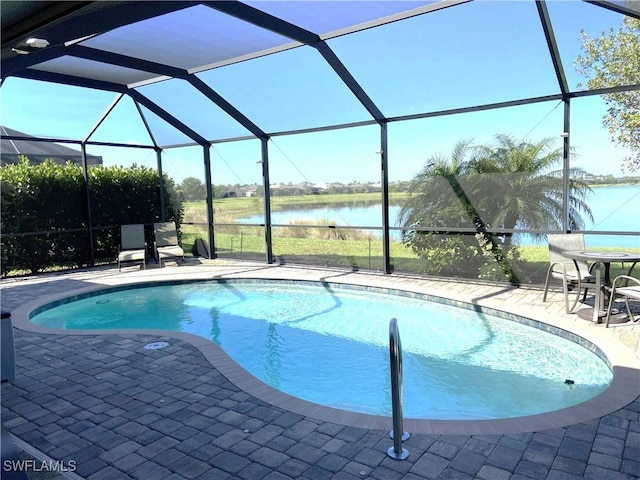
{"x":44,"y":213}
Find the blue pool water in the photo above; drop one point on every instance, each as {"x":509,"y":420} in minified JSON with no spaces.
{"x":330,"y":345}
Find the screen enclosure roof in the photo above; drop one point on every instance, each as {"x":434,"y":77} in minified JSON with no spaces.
{"x":197,"y":72}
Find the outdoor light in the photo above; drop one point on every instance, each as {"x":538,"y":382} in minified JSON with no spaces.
{"x":37,"y":43}
{"x":31,"y":45}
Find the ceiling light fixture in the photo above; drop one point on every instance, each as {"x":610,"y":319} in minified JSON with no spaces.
{"x":31,"y":45}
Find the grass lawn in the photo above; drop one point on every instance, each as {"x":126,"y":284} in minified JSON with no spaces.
{"x":249,"y":243}
{"x":344,"y":250}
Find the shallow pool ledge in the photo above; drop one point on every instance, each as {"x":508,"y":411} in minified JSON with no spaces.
{"x":624,"y":388}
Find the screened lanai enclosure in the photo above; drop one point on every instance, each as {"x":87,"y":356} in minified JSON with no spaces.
{"x":434,"y":137}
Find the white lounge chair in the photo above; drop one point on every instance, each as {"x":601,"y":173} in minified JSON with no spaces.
{"x":564,"y":269}
{"x":621,"y":287}
{"x":166,"y":243}
{"x":132,"y":247}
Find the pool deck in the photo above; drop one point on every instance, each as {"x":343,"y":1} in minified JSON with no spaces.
{"x":107,"y":407}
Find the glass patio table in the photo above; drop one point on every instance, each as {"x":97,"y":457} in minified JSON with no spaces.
{"x":600,"y":258}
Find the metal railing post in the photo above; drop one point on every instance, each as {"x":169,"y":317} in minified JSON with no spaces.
{"x":395,"y":356}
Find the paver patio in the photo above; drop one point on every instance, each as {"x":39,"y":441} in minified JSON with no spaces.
{"x":115,"y":410}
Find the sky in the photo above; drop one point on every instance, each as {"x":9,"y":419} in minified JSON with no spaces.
{"x":417,"y":65}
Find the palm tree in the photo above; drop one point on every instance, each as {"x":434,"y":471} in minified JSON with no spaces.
{"x":439,"y":201}
{"x":432,"y":203}
{"x":529,"y":177}
{"x":497,"y":187}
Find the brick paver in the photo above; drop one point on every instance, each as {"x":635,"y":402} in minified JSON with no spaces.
{"x":121,"y":411}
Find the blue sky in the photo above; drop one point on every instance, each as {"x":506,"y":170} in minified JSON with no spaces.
{"x":421,"y":64}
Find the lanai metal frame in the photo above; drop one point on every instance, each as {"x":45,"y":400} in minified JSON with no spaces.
{"x":66,"y":26}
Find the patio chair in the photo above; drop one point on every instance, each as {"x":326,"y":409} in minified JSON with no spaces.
{"x":563,"y":268}
{"x":133,"y":247}
{"x":166,"y":242}
{"x":622,"y":288}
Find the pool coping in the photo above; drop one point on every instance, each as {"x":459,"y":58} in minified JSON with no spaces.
{"x":624,"y":387}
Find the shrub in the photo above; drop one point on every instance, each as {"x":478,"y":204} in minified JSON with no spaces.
{"x":44,"y":211}
{"x":322,"y":229}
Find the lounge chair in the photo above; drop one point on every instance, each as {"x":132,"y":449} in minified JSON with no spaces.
{"x":563,"y":268}
{"x":132,"y":247}
{"x":166,"y":242}
{"x":622,"y":288}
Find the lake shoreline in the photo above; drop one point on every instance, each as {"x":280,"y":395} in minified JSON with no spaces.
{"x":613,"y":210}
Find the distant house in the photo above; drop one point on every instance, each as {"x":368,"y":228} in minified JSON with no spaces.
{"x":37,"y":151}
{"x":304,"y":188}
{"x":364,"y":187}
{"x":337,"y":187}
{"x":248,"y":191}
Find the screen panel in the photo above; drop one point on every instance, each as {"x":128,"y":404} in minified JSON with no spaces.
{"x":194,"y":109}
{"x":192,"y":38}
{"x":578,"y":24}
{"x":289,"y":90}
{"x":449,"y":59}
{"x":43,"y":109}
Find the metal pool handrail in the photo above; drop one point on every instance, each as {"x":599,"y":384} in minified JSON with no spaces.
{"x":395,"y":358}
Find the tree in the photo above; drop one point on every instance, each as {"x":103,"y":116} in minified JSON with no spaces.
{"x":613,"y":60}
{"x":526,"y":187}
{"x":437,"y":201}
{"x":496,"y":187}
{"x":193,"y":189}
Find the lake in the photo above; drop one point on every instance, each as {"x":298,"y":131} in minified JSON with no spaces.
{"x":615,"y":208}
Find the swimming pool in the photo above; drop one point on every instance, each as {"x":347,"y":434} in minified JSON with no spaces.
{"x":329,"y":344}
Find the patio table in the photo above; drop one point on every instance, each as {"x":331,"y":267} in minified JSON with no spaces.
{"x":600,"y":258}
